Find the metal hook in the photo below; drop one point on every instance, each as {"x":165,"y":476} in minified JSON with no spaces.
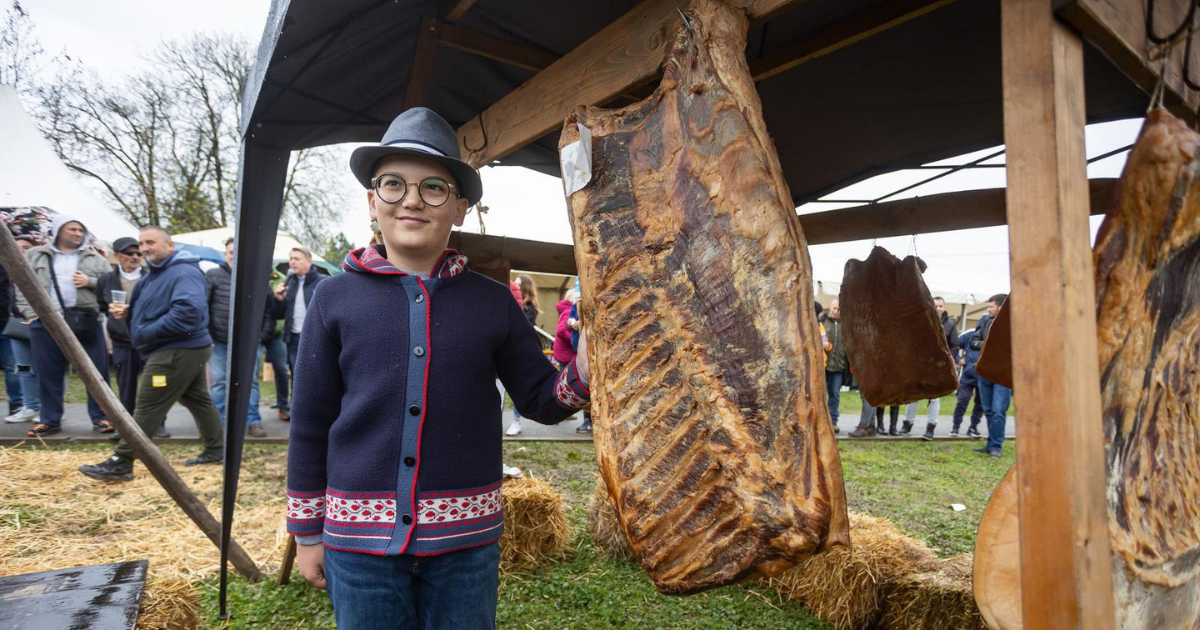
{"x":686,"y":21}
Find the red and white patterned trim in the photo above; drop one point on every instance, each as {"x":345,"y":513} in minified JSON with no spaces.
{"x":306,"y":508}
{"x":361,"y":510}
{"x":451,"y":509}
{"x":453,"y":265}
{"x":570,"y":393}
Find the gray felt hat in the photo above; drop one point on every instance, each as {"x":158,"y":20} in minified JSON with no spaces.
{"x":421,"y":132}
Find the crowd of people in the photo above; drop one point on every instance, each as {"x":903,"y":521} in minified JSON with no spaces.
{"x":154,"y":317}
{"x":991,"y":400}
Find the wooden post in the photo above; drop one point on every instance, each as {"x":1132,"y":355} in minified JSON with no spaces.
{"x":21,"y":274}
{"x":289,"y":558}
{"x":1066,"y":574}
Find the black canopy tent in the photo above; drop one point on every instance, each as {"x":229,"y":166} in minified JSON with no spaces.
{"x":850,"y":88}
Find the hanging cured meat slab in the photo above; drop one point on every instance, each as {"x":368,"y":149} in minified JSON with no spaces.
{"x":711,"y":424}
{"x":894,"y":339}
{"x":1147,"y":259}
{"x":995,"y":358}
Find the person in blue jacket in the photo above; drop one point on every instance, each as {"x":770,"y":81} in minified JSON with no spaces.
{"x":168,"y":324}
{"x":394,"y":460}
{"x":968,"y":383}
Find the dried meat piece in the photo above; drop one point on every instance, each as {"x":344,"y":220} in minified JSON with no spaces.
{"x":995,"y":358}
{"x":711,"y":424}
{"x":1147,"y":259}
{"x":894,"y":340}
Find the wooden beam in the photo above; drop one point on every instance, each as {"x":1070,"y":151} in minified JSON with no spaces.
{"x":624,"y":54}
{"x":522,"y":254}
{"x":420,"y":76}
{"x":841,"y":34}
{"x":923,"y":215}
{"x":1118,"y":29}
{"x":459,"y":9}
{"x":492,"y":47}
{"x":22,"y":276}
{"x":1066,"y":562}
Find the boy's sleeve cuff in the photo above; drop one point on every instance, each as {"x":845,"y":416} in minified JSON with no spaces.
{"x":570,"y":390}
{"x":309,"y":540}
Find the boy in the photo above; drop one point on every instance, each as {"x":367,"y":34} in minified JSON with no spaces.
{"x":394,"y":466}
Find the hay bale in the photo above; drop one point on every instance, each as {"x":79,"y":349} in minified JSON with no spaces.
{"x":535,"y":524}
{"x":169,"y":604}
{"x":53,"y":517}
{"x":846,"y":587}
{"x":937,"y":600}
{"x":602,"y":523}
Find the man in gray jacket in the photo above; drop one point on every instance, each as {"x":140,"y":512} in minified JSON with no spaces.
{"x":68,"y":270}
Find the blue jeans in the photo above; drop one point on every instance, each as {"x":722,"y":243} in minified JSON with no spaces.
{"x":218,"y":362}
{"x":52,"y":365}
{"x":12,"y":380}
{"x":995,"y":405}
{"x":23,"y":359}
{"x":445,"y":592}
{"x":833,"y":387}
{"x":278,"y":357}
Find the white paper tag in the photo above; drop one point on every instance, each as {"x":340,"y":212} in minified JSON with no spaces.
{"x":957,"y":507}
{"x":576,"y":162}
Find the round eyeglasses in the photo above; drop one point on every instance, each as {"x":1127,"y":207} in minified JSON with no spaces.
{"x":434,"y":191}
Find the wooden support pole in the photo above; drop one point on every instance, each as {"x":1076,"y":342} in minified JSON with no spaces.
{"x":289,"y":559}
{"x":420,"y":75}
{"x":1066,"y":563}
{"x":21,"y":274}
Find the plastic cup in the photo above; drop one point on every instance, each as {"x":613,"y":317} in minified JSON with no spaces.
{"x":118,"y":297}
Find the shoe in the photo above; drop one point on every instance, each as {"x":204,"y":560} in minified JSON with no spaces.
{"x":994,"y":454}
{"x":114,"y":438}
{"x":954,"y":432}
{"x":285,"y":415}
{"x":973,"y":432}
{"x":928,"y":437}
{"x":42,"y":429}
{"x":586,"y":427}
{"x":256,"y":431}
{"x":982,"y":449}
{"x":514,"y":428}
{"x":112,"y":469}
{"x":275,"y":406}
{"x":860,"y":432}
{"x":836,"y":430}
{"x":907,"y":428}
{"x":162,"y":433}
{"x":892,"y":429}
{"x":207,"y":457}
{"x":25,"y":414}
{"x":103,"y":426}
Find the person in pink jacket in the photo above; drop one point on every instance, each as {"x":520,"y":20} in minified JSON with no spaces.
{"x":563,"y":353}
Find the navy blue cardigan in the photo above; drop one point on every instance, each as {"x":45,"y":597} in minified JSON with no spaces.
{"x":396,"y":428}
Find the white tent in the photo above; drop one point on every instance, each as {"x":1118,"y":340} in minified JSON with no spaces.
{"x":215,"y":238}
{"x":32,"y":175}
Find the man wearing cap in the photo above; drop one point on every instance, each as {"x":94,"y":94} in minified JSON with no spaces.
{"x":68,"y":270}
{"x":168,"y":325}
{"x":124,"y":276}
{"x":396,"y":422}
{"x":292,"y":298}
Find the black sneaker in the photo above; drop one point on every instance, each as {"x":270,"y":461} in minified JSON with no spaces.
{"x":994,"y":454}
{"x":954,"y":432}
{"x":206,"y":457}
{"x":928,"y":437}
{"x":162,"y":433}
{"x":982,"y":449}
{"x":112,"y":469}
{"x":973,"y":432}
{"x":586,"y":427}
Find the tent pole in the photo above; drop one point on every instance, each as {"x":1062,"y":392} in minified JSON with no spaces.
{"x":1066,"y":563}
{"x":22,"y":275}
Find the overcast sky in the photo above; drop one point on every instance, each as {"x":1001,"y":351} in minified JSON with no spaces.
{"x":112,"y":35}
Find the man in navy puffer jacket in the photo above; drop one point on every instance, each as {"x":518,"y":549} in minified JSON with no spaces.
{"x":168,"y":324}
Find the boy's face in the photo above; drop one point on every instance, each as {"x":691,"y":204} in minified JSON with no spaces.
{"x":411,"y":224}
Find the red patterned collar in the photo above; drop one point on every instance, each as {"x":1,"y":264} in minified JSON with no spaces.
{"x":372,"y":259}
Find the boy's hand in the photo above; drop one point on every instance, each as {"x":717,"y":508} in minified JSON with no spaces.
{"x":311,"y":561}
{"x":581,"y":357}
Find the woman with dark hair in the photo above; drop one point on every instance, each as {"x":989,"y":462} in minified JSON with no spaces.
{"x":529,"y":299}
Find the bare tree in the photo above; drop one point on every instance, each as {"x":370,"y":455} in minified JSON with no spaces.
{"x":20,"y":51}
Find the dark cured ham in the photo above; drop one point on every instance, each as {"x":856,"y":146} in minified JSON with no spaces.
{"x":995,"y":360}
{"x":894,"y":339}
{"x":711,"y":424}
{"x":1147,"y":258}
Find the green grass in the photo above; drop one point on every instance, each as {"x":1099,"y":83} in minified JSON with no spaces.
{"x":912,"y":483}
